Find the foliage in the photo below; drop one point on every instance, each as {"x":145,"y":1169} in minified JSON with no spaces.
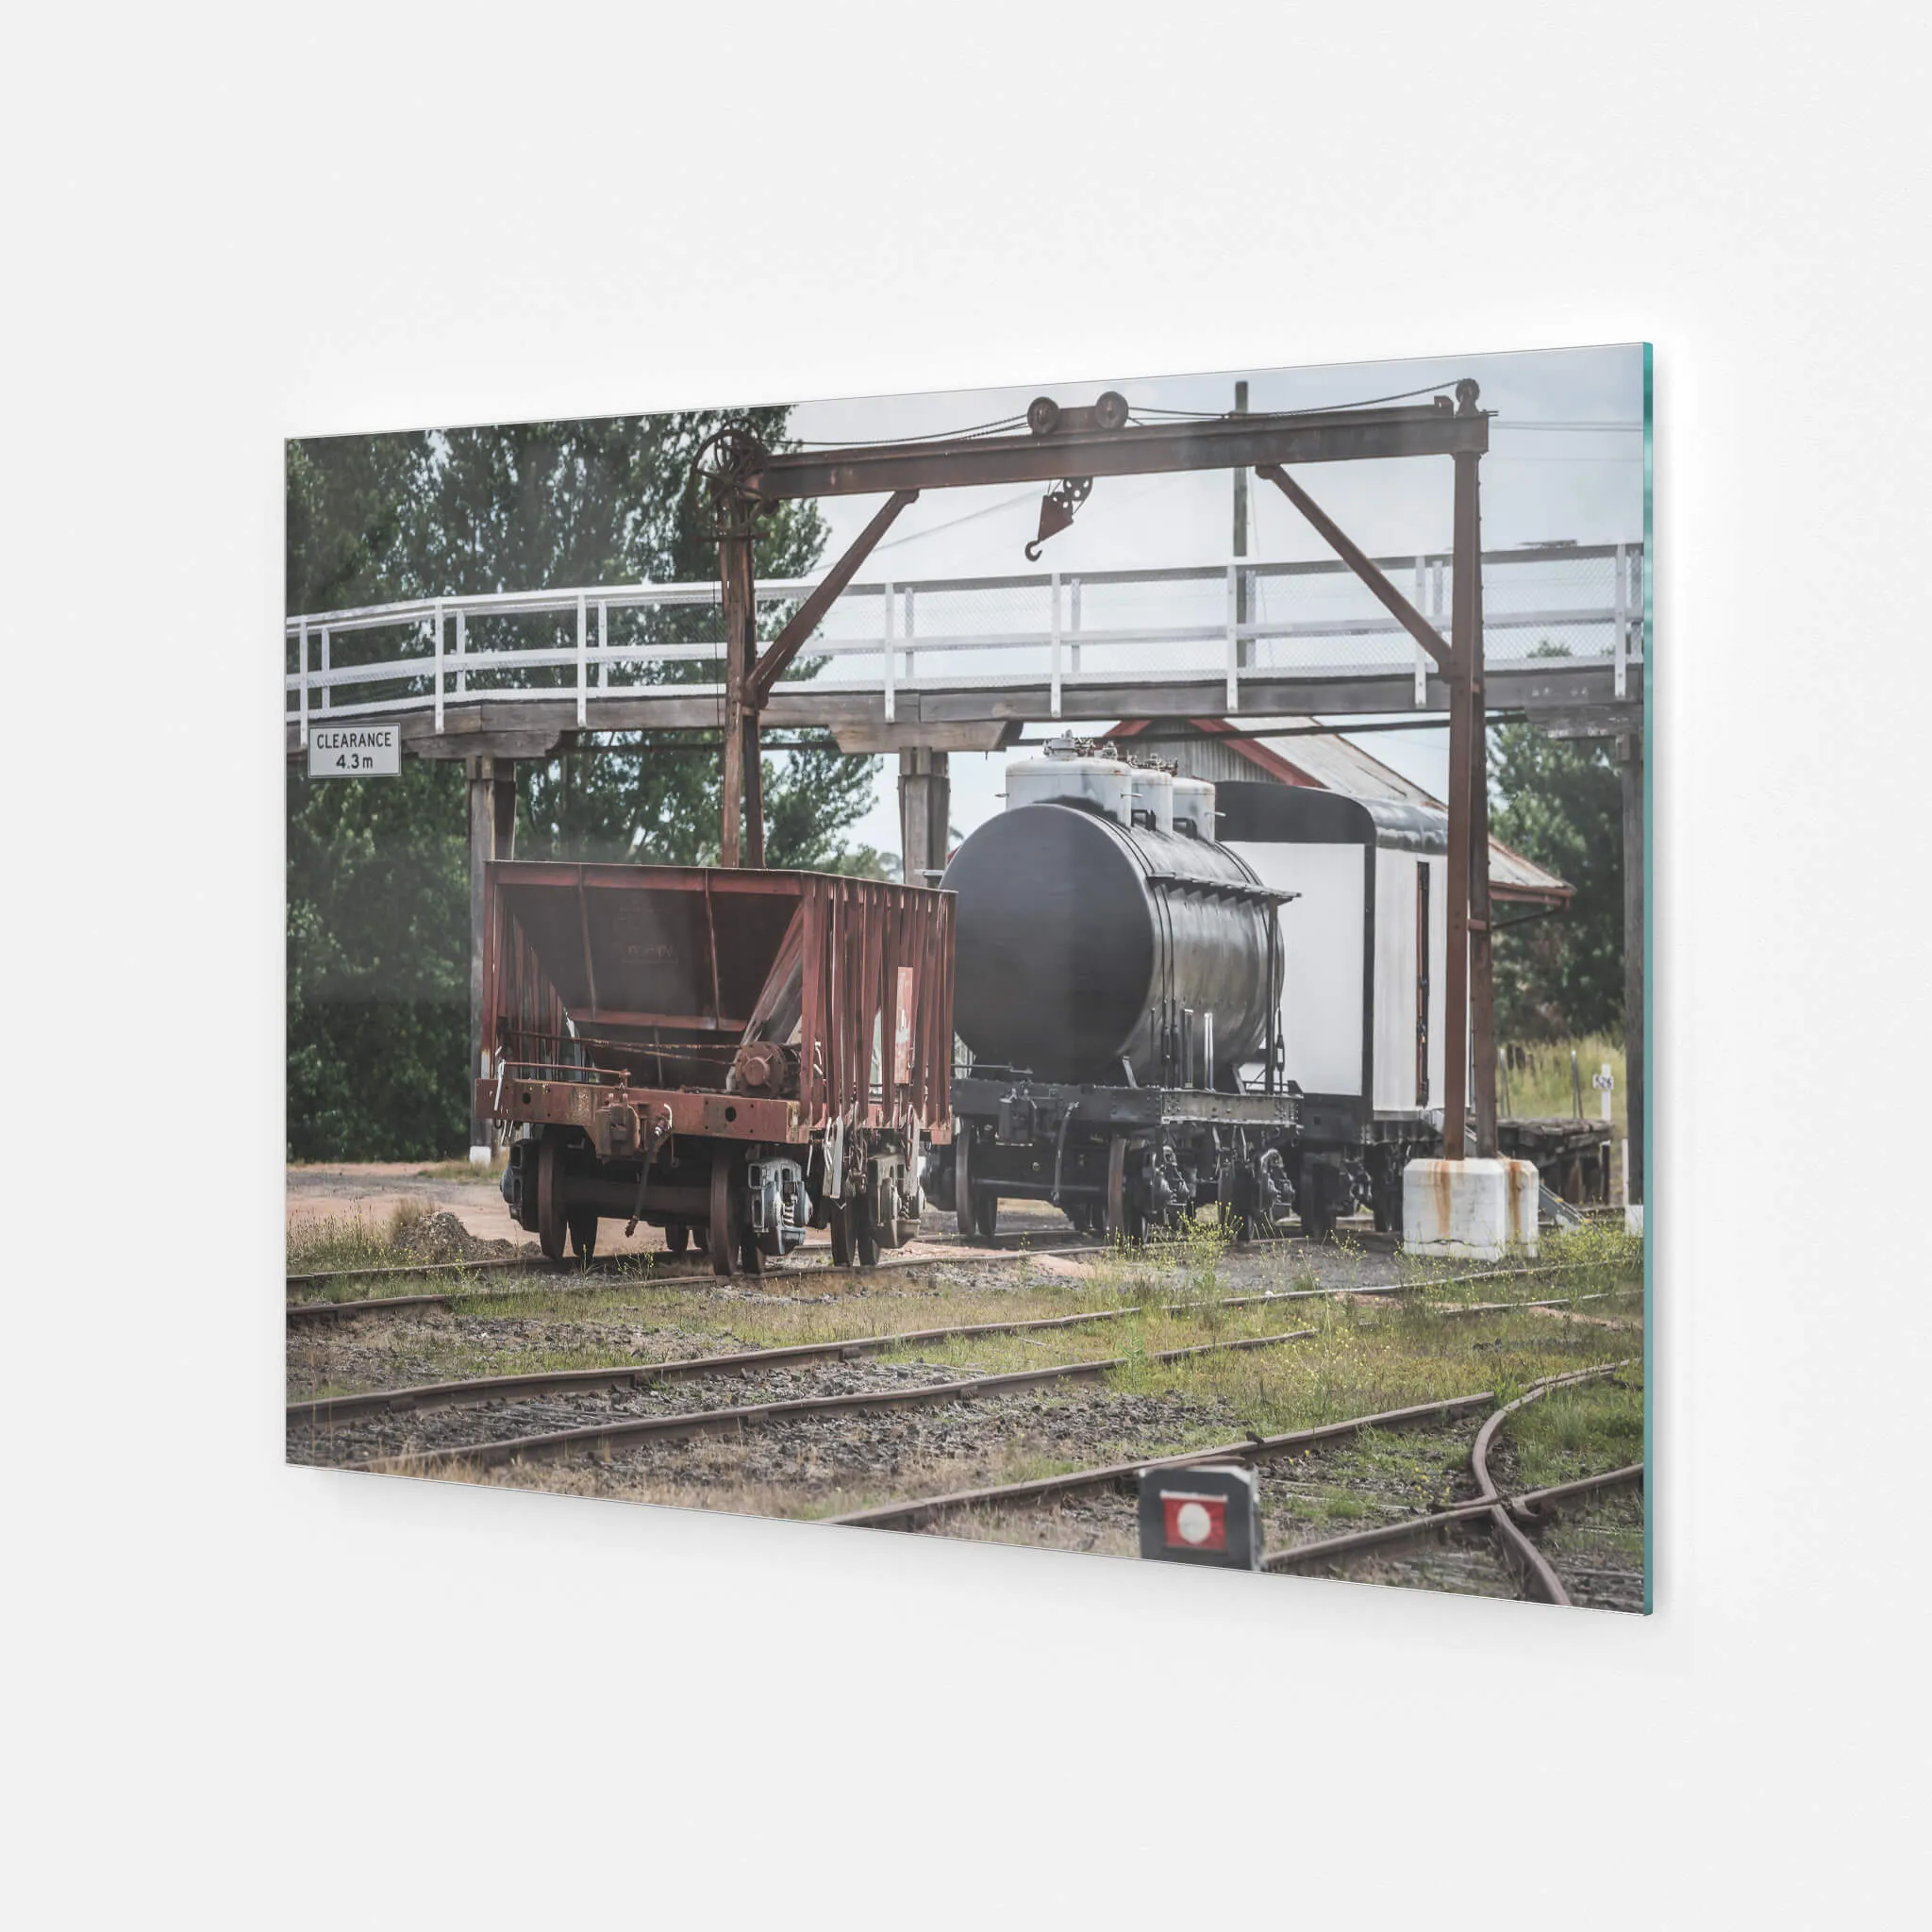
{"x":378,"y":989}
{"x":379,"y":873}
{"x":1559,"y":801}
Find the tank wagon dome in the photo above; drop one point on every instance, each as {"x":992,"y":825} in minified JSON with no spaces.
{"x":1092,"y":775}
{"x":1194,"y":807}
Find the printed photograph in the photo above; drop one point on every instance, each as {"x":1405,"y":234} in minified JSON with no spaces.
{"x":1062,"y":966}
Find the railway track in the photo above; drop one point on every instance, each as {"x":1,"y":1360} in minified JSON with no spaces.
{"x":620,"y":1264}
{"x":1506,"y":1516}
{"x":324,"y":1411}
{"x":319,"y":1310}
{"x":550,"y":1271}
{"x":917,"y":1512}
{"x":734,"y":1420}
{"x":334,"y":1408}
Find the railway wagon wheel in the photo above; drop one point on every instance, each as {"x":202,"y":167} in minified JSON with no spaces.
{"x":1124,"y":1222}
{"x":582,"y":1223}
{"x":838,"y":1220}
{"x":551,"y":1226}
{"x":962,"y":1183}
{"x":725,"y":1236}
{"x":985,"y":1216}
{"x":865,"y":1234}
{"x":676,"y":1236}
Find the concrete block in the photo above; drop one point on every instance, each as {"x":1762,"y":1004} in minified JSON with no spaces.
{"x":1456,"y":1207}
{"x":1632,"y":1217}
{"x":481,"y":1157}
{"x":1523,"y":1185}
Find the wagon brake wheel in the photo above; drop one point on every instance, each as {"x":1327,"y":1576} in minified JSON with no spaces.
{"x":728,"y":1214}
{"x":550,"y":1217}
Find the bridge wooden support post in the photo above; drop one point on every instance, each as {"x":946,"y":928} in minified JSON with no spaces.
{"x":925,"y":803}
{"x":742,"y":828}
{"x":493,"y":804}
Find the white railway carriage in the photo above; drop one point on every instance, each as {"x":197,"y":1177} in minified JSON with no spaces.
{"x":1365,"y":939}
{"x":1366,"y":945}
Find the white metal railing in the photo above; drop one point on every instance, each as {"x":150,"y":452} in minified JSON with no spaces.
{"x":1049,"y":629}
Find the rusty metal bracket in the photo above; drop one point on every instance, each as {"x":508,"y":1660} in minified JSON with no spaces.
{"x":785,"y":646}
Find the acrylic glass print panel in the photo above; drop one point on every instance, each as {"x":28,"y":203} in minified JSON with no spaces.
{"x":1060,"y":965}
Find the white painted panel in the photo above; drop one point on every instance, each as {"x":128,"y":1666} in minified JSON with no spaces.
{"x":1438,"y":974}
{"x":1395,"y":977}
{"x":1321,"y":945}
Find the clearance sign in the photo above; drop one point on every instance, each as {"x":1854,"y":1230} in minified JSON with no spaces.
{"x":355,"y":751}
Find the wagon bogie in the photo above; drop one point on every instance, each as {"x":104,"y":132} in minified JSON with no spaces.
{"x":1121,"y":1161}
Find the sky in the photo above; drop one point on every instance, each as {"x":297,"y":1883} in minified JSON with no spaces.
{"x":1548,"y":476}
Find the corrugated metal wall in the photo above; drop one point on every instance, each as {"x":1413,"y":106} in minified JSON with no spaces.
{"x":1204,"y":757}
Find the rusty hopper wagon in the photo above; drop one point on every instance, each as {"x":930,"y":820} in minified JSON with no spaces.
{"x":731,"y":1056}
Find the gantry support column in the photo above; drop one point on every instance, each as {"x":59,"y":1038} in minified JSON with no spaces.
{"x":492,"y":808}
{"x":1482,"y":985}
{"x":926,"y":804}
{"x":1630,"y":760}
{"x":1463,"y":646}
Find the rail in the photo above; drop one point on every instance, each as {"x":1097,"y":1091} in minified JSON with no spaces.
{"x":1056,"y":630}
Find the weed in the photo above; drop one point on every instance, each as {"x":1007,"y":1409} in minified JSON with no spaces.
{"x":334,"y":1241}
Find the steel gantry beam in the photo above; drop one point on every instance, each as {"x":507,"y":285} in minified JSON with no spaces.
{"x":1069,"y":448}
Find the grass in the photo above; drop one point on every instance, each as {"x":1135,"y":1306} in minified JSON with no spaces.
{"x":1575,"y":1432}
{"x":1540,"y":1085}
{"x":1583,"y":1260}
{"x":352,"y":1241}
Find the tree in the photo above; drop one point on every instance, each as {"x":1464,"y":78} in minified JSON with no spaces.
{"x":1559,"y":801}
{"x":377,"y":873}
{"x":524,"y":506}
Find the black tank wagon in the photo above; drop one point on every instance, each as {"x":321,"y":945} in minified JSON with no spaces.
{"x":1115,"y":972}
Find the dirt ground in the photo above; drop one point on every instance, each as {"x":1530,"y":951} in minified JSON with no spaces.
{"x":372,"y":1190}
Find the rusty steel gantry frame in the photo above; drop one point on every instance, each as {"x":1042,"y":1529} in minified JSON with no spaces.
{"x":1067,"y":450}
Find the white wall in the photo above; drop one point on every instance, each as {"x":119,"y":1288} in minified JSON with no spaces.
{"x":244,"y":1695}
{"x":1321,"y":960}
{"x":1396,"y":962}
